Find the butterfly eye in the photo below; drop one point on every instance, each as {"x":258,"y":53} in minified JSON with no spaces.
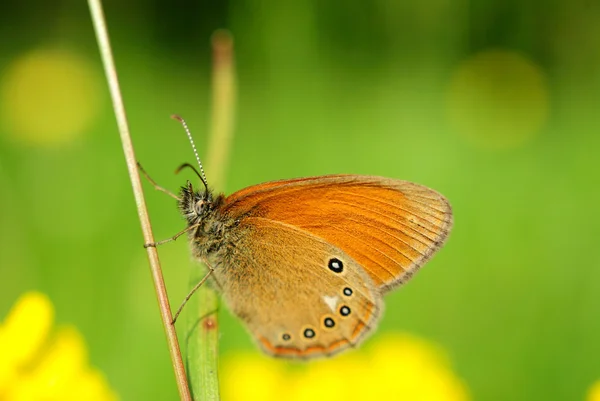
{"x":200,"y":206}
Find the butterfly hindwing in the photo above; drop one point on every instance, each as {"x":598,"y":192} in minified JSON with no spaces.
{"x":298,"y":295}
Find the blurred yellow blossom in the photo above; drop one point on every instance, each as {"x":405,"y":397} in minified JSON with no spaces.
{"x":498,"y":99}
{"x":49,"y":96}
{"x":38,"y":365}
{"x":594,"y":392}
{"x":398,"y":366}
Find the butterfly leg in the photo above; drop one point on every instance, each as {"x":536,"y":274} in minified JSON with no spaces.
{"x":155,"y":185}
{"x":173,"y":238}
{"x":187,"y":298}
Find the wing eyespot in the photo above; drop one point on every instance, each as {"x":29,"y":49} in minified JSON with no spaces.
{"x":309,"y":333}
{"x":335,"y":265}
{"x":347,"y":291}
{"x":345,"y":310}
{"x":328,"y":322}
{"x":286,"y":337}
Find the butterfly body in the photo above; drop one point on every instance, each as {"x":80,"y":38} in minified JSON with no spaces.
{"x":304,"y":263}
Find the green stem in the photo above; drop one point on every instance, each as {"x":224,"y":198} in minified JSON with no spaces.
{"x":203,"y":338}
{"x":203,"y":335}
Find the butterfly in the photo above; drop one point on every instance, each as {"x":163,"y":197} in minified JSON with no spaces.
{"x":304,"y":263}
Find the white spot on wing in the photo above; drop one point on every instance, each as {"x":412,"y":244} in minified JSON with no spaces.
{"x":331,"y":302}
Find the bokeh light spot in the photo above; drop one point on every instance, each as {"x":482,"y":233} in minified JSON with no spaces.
{"x":25,"y":328}
{"x":594,"y":392}
{"x":397,"y":366}
{"x":48,"y":97}
{"x":497,"y":99}
{"x":36,"y":364}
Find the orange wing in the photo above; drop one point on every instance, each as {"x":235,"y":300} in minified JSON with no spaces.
{"x":390,"y":227}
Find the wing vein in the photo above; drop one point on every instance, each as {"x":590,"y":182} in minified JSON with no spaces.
{"x":354,"y":195}
{"x":400,"y":222}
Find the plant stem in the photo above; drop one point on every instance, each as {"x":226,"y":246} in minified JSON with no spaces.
{"x":224,"y":93}
{"x":159,"y":285}
{"x":202,"y":352}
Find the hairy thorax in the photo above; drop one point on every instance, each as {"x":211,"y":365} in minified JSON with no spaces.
{"x":215,"y":238}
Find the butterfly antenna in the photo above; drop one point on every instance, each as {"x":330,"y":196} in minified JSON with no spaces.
{"x":189,"y":135}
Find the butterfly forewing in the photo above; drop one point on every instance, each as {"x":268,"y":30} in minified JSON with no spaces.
{"x":298,"y":295}
{"x":389,"y":227}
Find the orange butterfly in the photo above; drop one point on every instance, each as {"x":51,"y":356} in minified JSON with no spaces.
{"x":304,"y":263}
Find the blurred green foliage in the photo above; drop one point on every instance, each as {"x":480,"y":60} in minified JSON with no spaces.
{"x":324,"y":87}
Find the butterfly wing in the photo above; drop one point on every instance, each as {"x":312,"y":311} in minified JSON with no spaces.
{"x":389,"y":227}
{"x":298,"y":295}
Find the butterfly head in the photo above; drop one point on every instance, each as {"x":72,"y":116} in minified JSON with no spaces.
{"x":195,"y":205}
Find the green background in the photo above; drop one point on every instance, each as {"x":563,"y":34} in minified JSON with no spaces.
{"x":324,"y":87}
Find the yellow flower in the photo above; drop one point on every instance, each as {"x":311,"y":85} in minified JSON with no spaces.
{"x":38,"y":365}
{"x":398,"y":366}
{"x":594,"y":393}
{"x":49,"y":97}
{"x":498,"y":99}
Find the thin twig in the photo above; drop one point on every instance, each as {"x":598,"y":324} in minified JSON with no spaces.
{"x":202,"y":352}
{"x":159,"y":285}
